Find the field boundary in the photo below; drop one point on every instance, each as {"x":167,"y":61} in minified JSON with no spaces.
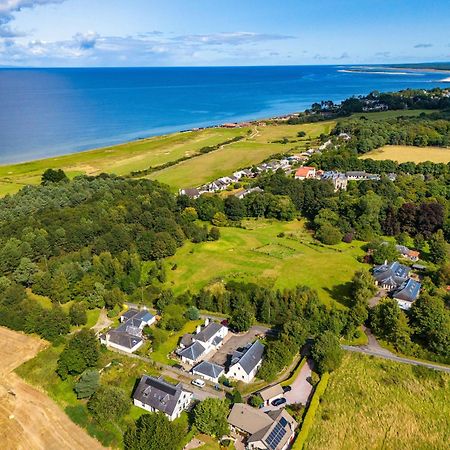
{"x":310,"y":414}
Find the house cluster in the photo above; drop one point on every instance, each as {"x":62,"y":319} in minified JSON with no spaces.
{"x":127,"y":337}
{"x":395,"y":279}
{"x":157,"y":395}
{"x":412,"y":255}
{"x":195,"y":349}
{"x":222,"y":184}
{"x":274,"y":430}
{"x":339,"y":179}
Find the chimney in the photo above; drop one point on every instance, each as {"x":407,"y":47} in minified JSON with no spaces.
{"x":206,"y":321}
{"x":199,"y":328}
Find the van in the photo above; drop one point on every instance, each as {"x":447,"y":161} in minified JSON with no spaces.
{"x":199,"y":383}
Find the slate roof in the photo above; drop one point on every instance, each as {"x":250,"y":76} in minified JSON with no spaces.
{"x":123,"y":339}
{"x":250,"y":358}
{"x":158,"y":394}
{"x":129,"y":314}
{"x":393,"y":274}
{"x":193,"y":352}
{"x":191,"y":192}
{"x":209,"y":369}
{"x":208,"y":332}
{"x":409,"y":291}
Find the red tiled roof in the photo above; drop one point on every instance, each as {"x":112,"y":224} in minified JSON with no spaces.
{"x":304,"y":171}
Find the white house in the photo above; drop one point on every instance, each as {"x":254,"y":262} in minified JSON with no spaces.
{"x":245,"y":364}
{"x":155,"y":394}
{"x":128,"y":336}
{"x":209,"y":371}
{"x":305,"y":172}
{"x":122,"y":341}
{"x":137,"y":318}
{"x":274,"y":430}
{"x":194,"y":347}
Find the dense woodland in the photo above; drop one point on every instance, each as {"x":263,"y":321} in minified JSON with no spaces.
{"x":100,"y":241}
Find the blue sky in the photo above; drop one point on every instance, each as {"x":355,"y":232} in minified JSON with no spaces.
{"x":212,"y":32}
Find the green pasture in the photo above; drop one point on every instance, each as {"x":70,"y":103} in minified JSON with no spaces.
{"x":256,"y":254}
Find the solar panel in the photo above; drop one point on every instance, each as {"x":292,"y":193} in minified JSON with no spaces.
{"x":275,"y":436}
{"x":283,"y":422}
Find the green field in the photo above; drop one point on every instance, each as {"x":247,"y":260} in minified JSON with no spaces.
{"x":256,"y":254}
{"x":142,"y":154}
{"x":377,"y":404}
{"x":252,"y":150}
{"x":119,"y":159}
{"x":408,"y":153}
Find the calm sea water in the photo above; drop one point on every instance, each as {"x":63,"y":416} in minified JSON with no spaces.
{"x":46,"y":112}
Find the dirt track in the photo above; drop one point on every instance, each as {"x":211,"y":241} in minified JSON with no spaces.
{"x":29,"y":419}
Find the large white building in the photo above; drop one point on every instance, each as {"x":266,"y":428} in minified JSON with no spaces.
{"x":155,"y":394}
{"x":245,"y":364}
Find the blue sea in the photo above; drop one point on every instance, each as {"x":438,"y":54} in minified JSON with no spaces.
{"x":47,"y":112}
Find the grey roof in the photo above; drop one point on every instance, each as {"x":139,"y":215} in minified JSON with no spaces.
{"x":208,"y":332}
{"x":123,"y":338}
{"x":135,"y":315}
{"x":356,"y":173}
{"x":186,"y":340}
{"x":251,"y":357}
{"x":193,"y":352}
{"x":209,"y":369}
{"x":129,"y":314}
{"x":191,"y":192}
{"x":158,"y":394}
{"x":409,"y":291}
{"x":393,"y":274}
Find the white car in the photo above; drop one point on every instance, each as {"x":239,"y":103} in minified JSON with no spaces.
{"x":199,"y":383}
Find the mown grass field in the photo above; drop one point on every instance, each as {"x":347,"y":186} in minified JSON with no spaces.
{"x":377,"y":404}
{"x":408,"y":153}
{"x":252,"y":150}
{"x":119,"y":159}
{"x":256,"y":254}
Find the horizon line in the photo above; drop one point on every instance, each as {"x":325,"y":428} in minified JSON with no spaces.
{"x":226,"y":66}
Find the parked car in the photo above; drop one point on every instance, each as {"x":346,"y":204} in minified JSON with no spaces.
{"x":198,"y":382}
{"x":279,"y":401}
{"x":287,"y":389}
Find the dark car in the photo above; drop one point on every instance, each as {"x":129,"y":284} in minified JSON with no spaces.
{"x":279,"y":401}
{"x":287,"y":389}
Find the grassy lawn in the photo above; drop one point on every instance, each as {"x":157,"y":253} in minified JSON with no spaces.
{"x":123,"y":372}
{"x":374,"y":403}
{"x":137,"y":155}
{"x":408,"y":153}
{"x":225,"y":161}
{"x":168,"y":346}
{"x":256,"y":254}
{"x":119,"y":159}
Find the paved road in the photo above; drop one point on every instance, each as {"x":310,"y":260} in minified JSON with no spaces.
{"x":374,"y":348}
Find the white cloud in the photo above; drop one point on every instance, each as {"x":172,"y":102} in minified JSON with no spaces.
{"x":9,"y":7}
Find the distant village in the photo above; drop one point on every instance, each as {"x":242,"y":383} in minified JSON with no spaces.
{"x":290,"y":165}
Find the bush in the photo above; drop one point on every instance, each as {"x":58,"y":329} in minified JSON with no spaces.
{"x":310,"y":414}
{"x":108,"y":404}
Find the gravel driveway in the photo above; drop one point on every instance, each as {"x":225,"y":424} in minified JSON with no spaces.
{"x":301,"y":389}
